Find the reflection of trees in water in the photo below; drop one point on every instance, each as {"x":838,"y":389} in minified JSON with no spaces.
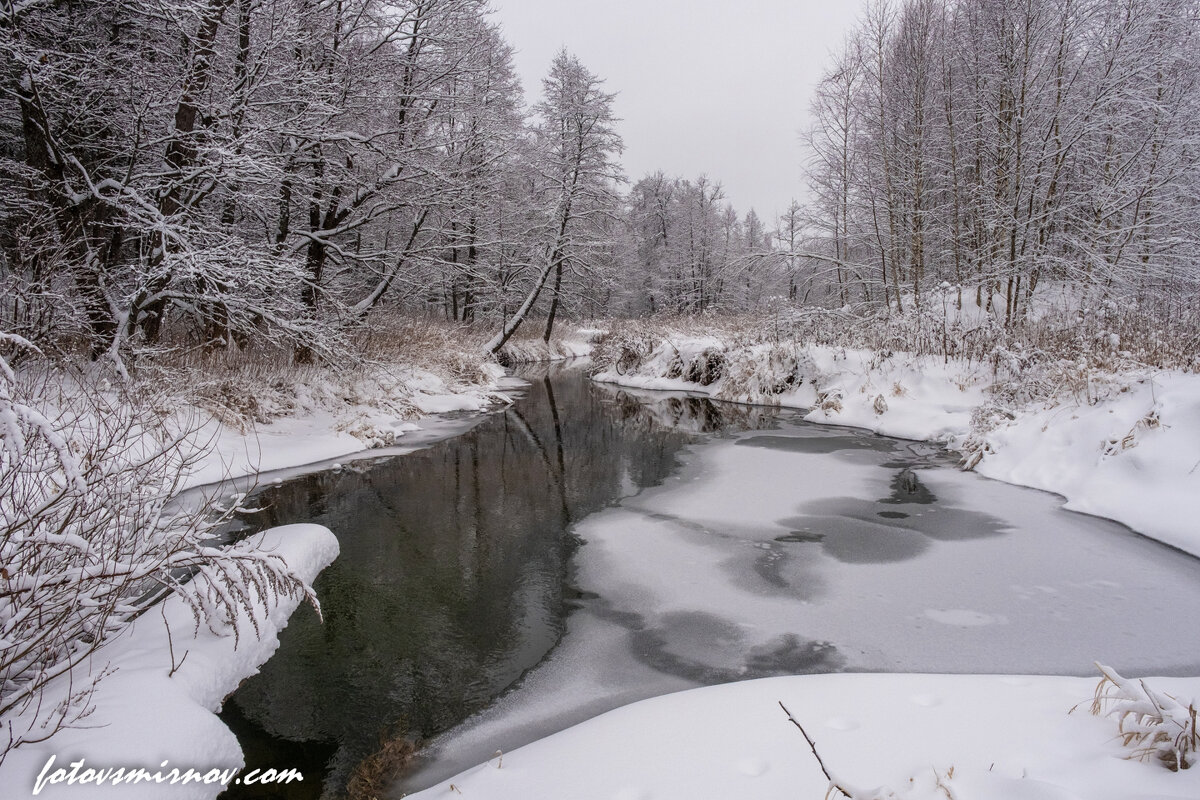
{"x":688,"y":414}
{"x":450,"y":580}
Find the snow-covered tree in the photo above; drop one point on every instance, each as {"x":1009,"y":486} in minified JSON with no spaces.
{"x":577,"y":174}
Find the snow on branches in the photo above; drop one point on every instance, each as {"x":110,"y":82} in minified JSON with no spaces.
{"x":92,"y":531}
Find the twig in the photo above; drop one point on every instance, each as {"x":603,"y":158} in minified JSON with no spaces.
{"x":812,"y":746}
{"x":171,"y":644}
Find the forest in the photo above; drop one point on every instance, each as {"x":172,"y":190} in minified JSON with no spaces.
{"x":232,"y":174}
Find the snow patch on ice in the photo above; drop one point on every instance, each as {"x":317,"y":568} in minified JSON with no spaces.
{"x":964,"y":618}
{"x":1129,"y":453}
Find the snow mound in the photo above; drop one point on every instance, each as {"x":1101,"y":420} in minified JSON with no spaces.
{"x":167,"y":681}
{"x":915,"y":737}
{"x":1133,"y":456}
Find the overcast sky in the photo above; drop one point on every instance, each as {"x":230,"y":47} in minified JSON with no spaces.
{"x":713,"y":86}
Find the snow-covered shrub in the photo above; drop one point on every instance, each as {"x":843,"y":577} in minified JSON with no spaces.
{"x":761,"y":373}
{"x":91,"y":531}
{"x":369,"y":432}
{"x":1151,"y":723}
{"x":706,"y":368}
{"x":622,"y":349}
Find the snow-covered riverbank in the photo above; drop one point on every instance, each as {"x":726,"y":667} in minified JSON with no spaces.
{"x":155,"y":709}
{"x":159,"y":683}
{"x":882,"y":737}
{"x":384,"y":409}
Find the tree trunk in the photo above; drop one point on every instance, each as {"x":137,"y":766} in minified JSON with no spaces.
{"x":510,"y":327}
{"x":553,"y":302}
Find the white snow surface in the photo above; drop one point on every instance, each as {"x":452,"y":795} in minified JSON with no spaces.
{"x":1134,"y":456}
{"x":923,"y":737}
{"x":144,"y":715}
{"x":1129,"y":452}
{"x":382,"y":412}
{"x":574,"y":343}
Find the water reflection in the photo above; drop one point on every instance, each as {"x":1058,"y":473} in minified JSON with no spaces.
{"x":450,"y":583}
{"x":686,"y":413}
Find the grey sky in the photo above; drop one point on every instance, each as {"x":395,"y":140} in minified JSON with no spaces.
{"x":714,"y":86}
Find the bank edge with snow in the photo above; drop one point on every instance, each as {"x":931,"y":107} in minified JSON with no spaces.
{"x":1130,"y":453}
{"x":168,"y":679}
{"x":327,"y":421}
{"x":917,"y":737}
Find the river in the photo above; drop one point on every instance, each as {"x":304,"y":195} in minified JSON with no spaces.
{"x":590,"y":546}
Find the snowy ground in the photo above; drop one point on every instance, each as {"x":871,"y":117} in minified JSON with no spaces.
{"x":924,"y":737}
{"x":571,"y":343}
{"x":386,"y":412}
{"x":1133,"y":457}
{"x":380,"y":414}
{"x":145,"y":716}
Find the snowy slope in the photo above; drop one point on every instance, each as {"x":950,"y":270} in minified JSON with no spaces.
{"x":328,"y":422}
{"x":1133,"y":456}
{"x":924,"y":737}
{"x":145,"y":716}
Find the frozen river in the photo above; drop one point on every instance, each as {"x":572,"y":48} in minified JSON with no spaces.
{"x":591,"y":546}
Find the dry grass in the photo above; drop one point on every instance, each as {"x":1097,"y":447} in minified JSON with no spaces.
{"x":1109,"y":337}
{"x":378,"y":770}
{"x":244,"y":387}
{"x":1152,"y":724}
{"x":1061,"y":353}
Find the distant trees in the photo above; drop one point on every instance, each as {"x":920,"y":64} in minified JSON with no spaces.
{"x":688,"y":251}
{"x":995,"y":144}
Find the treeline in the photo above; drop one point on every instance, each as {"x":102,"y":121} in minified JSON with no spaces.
{"x":998,"y":144}
{"x":684,"y":250}
{"x":216,"y":173}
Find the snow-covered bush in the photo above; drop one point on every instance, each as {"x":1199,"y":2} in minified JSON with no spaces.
{"x":623,"y":349}
{"x":760,"y":373}
{"x":91,"y":531}
{"x":1152,"y":724}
